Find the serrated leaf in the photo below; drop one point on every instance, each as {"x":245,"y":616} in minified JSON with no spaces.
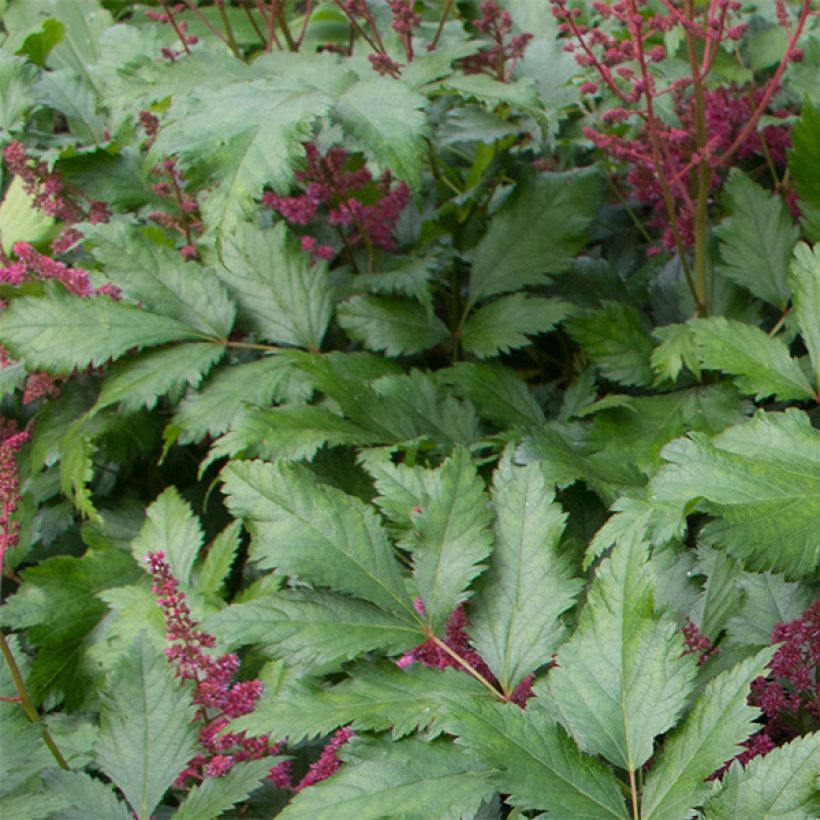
{"x":17,"y":77}
{"x":58,"y":608}
{"x":804,"y":280}
{"x":316,"y":532}
{"x":756,"y":240}
{"x":139,"y":382}
{"x":210,"y":410}
{"x":282,"y":296}
{"x":721,"y":595}
{"x":396,"y":326}
{"x":241,"y":137}
{"x":783,"y":784}
{"x":520,"y":250}
{"x":515,"y":614}
{"x":66,"y":91}
{"x":506,"y":323}
{"x":221,"y":552}
{"x":170,"y":527}
{"x":760,"y":480}
{"x":84,"y":798}
{"x":804,"y":158}
{"x":31,"y":806}
{"x":294,"y":433}
{"x":622,"y":679}
{"x":148,"y":732}
{"x":535,"y":762}
{"x":374,"y":698}
{"x":313,"y":629}
{"x":498,"y":394}
{"x":63,"y":333}
{"x":20,"y":219}
{"x":616,"y":338}
{"x":761,"y":365}
{"x":215,"y":795}
{"x":451,"y":537}
{"x":386,"y":117}
{"x":410,"y":778}
{"x":712,"y":732}
{"x":768,"y":600}
{"x":676,"y":350}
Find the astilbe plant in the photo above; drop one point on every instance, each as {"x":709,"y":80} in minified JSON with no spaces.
{"x":219,"y":698}
{"x":676,"y":162}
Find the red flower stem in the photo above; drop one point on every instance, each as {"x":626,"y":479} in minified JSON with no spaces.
{"x":445,"y":12}
{"x":230,"y":39}
{"x":356,"y":25}
{"x":186,"y":228}
{"x":26,"y":703}
{"x":259,"y":33}
{"x":282,"y":20}
{"x":192,"y":6}
{"x":305,"y":20}
{"x":270,"y":25}
{"x":172,"y":20}
{"x":772,"y":86}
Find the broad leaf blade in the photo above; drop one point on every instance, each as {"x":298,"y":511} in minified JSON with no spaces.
{"x":515,"y":613}
{"x":316,"y":532}
{"x":516,"y":252}
{"x":86,"y":798}
{"x":760,"y":364}
{"x":147,"y":733}
{"x":761,"y":480}
{"x":719,"y":722}
{"x":411,"y":779}
{"x":64,"y":333}
{"x":506,"y":323}
{"x":282,"y":297}
{"x":756,"y":241}
{"x":783,"y":784}
{"x":622,"y":679}
{"x":453,"y":537}
{"x":535,"y":762}
{"x":804,"y":280}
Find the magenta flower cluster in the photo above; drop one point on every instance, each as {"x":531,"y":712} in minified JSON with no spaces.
{"x":11,"y":440}
{"x":344,"y":196}
{"x":499,"y":59}
{"x":220,"y":699}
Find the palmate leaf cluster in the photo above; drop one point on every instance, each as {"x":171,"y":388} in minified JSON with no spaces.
{"x":461,"y":494}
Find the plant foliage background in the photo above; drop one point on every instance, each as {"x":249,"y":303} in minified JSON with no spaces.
{"x":410,"y":409}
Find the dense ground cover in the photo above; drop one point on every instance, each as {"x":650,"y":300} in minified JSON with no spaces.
{"x":410,"y":410}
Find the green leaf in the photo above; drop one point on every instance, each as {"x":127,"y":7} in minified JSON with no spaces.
{"x":761,"y":480}
{"x":287,"y":432}
{"x":282,"y":297}
{"x":85,"y":798}
{"x":147,"y":734}
{"x":712,"y":732}
{"x":139,"y":382}
{"x":387,"y":118}
{"x":16,"y":98}
{"x":215,"y":795}
{"x":769,"y":600}
{"x":783,"y":784}
{"x":31,"y":806}
{"x":396,"y":326}
{"x":622,"y":679}
{"x":210,"y":410}
{"x":241,"y":137}
{"x":721,"y":596}
{"x":756,"y":240}
{"x":616,"y":339}
{"x":64,"y":333}
{"x":220,"y":555}
{"x":760,"y":364}
{"x":57,"y":606}
{"x":170,"y":527}
{"x":451,"y":537}
{"x":535,"y":762}
{"x":316,"y":532}
{"x":506,"y":323}
{"x":804,"y":280}
{"x":20,"y":219}
{"x":411,"y":779}
{"x":804,"y":158}
{"x":676,"y":350}
{"x":515,"y":615}
{"x":518,"y":250}
{"x":497,"y":392}
{"x":312,"y":629}
{"x":73,"y":95}
{"x":161,"y":280}
{"x":374,"y":698}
